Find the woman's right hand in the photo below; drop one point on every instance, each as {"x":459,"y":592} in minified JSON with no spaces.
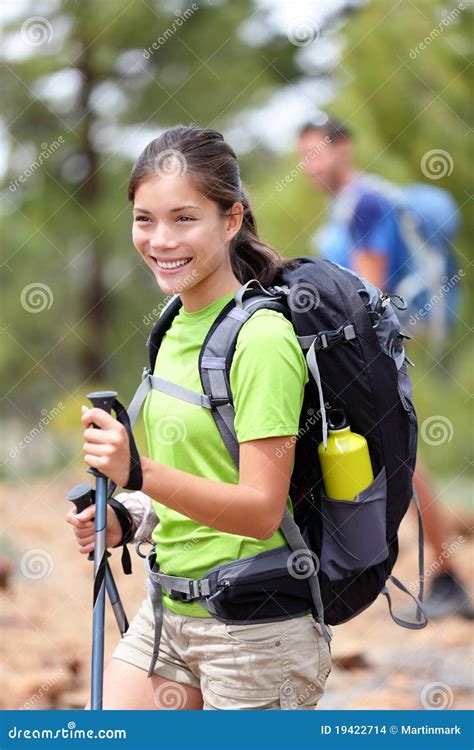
{"x":83,"y":527}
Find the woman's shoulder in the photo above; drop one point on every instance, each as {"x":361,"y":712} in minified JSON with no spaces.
{"x":269,"y":332}
{"x":267,"y":323}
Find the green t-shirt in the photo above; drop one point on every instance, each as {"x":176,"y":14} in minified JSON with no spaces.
{"x":267,"y":378}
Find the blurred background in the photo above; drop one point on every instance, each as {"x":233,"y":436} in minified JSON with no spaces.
{"x":85,"y":87}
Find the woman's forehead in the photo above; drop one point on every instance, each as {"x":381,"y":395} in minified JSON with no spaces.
{"x":165,"y":193}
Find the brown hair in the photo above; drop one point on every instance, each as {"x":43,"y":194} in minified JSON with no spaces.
{"x":211,"y":165}
{"x":333,"y":129}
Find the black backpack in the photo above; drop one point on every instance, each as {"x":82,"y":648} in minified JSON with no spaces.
{"x":350,"y":334}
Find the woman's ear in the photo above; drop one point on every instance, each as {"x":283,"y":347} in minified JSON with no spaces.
{"x":234,"y":220}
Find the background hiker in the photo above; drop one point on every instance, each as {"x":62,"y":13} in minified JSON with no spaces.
{"x":365,"y":231}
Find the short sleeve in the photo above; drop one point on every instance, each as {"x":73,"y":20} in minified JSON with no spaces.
{"x":373,"y":225}
{"x":267,"y":377}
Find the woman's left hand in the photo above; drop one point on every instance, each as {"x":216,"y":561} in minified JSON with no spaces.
{"x":106,"y":449}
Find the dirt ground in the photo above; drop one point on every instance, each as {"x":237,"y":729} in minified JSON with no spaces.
{"x":45,"y":617}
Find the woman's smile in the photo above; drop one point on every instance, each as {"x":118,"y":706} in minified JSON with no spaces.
{"x":169,"y":267}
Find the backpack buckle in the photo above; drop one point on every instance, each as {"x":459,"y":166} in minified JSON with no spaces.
{"x":215,"y":402}
{"x":196,"y":591}
{"x":328,"y":339}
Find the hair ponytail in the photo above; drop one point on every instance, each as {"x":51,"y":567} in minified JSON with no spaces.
{"x":249,"y":256}
{"x":211,"y":165}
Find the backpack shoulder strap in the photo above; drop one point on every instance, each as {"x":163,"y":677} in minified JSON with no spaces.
{"x":168,"y":314}
{"x":217,"y":352}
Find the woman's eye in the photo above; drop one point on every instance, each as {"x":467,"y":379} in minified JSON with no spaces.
{"x":185,"y":218}
{"x":141,"y":218}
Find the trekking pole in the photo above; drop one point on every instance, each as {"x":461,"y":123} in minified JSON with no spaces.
{"x":82,"y":496}
{"x":102,"y":400}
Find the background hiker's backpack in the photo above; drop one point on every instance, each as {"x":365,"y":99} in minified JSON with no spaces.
{"x":429,"y":220}
{"x":353,"y":345}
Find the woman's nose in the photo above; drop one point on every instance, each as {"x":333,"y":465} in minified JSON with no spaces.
{"x":163,"y":237}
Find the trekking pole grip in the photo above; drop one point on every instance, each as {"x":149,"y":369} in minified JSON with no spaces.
{"x":102,"y":400}
{"x":81,"y":496}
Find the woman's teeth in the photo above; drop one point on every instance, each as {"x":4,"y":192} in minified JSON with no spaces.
{"x":173,"y":264}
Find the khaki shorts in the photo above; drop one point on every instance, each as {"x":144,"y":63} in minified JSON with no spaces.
{"x":278,"y":665}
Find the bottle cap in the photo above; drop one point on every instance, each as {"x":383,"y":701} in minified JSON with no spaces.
{"x":337,"y":419}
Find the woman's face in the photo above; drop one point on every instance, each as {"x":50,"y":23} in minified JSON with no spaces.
{"x":181,"y":234}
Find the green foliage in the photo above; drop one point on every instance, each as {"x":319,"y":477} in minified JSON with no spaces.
{"x":67,"y":225}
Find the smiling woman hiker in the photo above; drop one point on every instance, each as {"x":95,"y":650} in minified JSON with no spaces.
{"x":194,"y":228}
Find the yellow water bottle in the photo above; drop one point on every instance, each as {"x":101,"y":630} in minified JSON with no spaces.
{"x":345,"y":463}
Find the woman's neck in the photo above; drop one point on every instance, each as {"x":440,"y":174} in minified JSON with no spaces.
{"x":209,"y":289}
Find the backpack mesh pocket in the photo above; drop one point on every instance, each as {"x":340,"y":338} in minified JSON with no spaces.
{"x":354,"y":531}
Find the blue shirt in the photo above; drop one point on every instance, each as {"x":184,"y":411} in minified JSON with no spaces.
{"x":361,"y":217}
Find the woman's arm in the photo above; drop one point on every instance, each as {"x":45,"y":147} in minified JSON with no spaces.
{"x":254,"y":507}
